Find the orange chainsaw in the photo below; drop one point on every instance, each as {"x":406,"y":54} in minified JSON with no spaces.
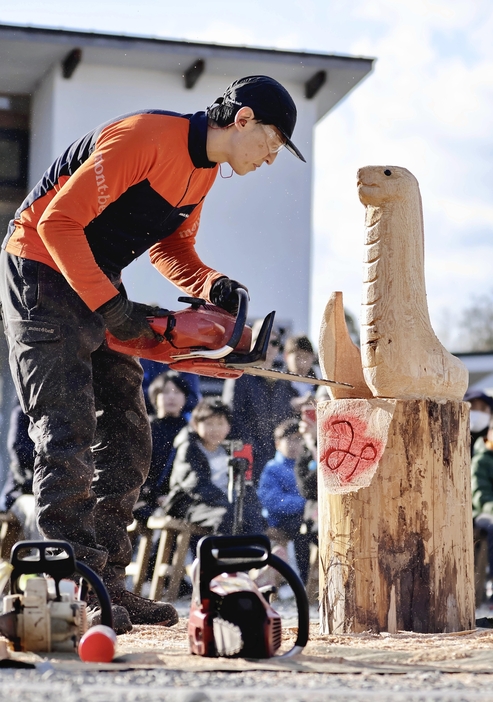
{"x":207,"y":340}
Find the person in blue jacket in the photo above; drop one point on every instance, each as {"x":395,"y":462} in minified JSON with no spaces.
{"x":283,"y":505}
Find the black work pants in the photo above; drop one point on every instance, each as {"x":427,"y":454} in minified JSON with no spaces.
{"x":87,"y":415}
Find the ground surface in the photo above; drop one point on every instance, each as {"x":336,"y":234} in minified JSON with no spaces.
{"x":154,"y":664}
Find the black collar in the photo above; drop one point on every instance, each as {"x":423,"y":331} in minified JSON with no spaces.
{"x":197,"y":140}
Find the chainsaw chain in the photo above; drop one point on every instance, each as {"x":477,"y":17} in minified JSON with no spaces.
{"x":227,"y":637}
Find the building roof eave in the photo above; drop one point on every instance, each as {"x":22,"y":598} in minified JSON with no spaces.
{"x":27,"y":53}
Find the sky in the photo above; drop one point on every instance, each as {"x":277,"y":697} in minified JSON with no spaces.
{"x":427,"y":106}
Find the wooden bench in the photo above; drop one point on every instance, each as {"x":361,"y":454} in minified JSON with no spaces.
{"x":313,"y":575}
{"x":10,"y":532}
{"x":174,"y":541}
{"x":137,"y":569}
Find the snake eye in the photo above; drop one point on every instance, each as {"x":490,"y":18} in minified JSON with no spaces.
{"x":387,"y":172}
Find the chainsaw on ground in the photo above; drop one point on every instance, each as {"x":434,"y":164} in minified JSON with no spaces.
{"x":230,"y":616}
{"x":206,"y":340}
{"x":48,"y":614}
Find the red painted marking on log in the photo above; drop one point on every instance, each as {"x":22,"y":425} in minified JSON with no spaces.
{"x":346,"y":449}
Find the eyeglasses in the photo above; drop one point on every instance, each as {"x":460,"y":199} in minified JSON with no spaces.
{"x":274,"y":141}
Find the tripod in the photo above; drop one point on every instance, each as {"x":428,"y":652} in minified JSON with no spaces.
{"x":239,"y":476}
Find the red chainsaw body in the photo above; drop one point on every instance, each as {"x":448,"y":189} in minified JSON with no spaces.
{"x":206,"y":327}
{"x":260,"y":624}
{"x":200,"y":630}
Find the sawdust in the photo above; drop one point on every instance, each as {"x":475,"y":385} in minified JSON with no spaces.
{"x":422,"y":648}
{"x":155,"y":638}
{"x":154,"y":647}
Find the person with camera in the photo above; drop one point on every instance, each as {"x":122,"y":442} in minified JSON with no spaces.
{"x":200,"y":474}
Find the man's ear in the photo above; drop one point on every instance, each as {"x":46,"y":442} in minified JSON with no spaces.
{"x":243,"y":117}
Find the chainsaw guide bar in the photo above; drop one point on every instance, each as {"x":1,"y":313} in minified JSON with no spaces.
{"x":286,"y":375}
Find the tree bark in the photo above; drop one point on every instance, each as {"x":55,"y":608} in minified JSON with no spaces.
{"x":397,"y":555}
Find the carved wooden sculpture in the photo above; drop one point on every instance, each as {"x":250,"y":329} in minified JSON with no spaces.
{"x":401,"y":355}
{"x":395,"y":523}
{"x":339,"y":356}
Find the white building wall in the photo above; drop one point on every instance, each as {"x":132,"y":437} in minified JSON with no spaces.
{"x":256,"y":228}
{"x":42,"y":128}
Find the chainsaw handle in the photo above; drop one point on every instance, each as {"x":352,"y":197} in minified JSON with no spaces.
{"x":100,"y":591}
{"x":228,"y":554}
{"x":62,"y":565}
{"x":40,"y":559}
{"x":241,"y":317}
{"x":238,"y":328}
{"x":294,"y":581}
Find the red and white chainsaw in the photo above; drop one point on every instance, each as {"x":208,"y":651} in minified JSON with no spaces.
{"x":207,"y":340}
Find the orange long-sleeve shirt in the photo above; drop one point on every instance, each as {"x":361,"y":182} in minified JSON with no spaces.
{"x":132,"y":185}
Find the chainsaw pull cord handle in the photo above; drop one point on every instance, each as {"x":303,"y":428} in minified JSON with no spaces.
{"x":294,"y":581}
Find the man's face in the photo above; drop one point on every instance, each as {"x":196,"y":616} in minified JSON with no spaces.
{"x":253,"y":145}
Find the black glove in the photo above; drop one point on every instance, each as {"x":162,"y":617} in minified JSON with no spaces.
{"x":128,"y":320}
{"x":222,"y":294}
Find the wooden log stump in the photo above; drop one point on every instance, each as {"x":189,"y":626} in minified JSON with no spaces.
{"x":395,"y":513}
{"x":397,"y":555}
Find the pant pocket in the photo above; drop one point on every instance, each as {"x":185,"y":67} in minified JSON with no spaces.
{"x":29,"y":271}
{"x":34,"y":361}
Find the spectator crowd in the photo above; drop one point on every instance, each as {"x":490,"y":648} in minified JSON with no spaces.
{"x":194,"y":432}
{"x":191,"y":476}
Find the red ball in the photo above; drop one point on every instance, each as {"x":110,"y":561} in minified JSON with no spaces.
{"x":98,"y":645}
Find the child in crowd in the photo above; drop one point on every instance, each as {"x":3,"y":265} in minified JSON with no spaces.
{"x":168,"y":395}
{"x":199,"y":478}
{"x":479,"y":416}
{"x":154,"y":368}
{"x":283,"y":505}
{"x":300,"y":359}
{"x":306,"y":468}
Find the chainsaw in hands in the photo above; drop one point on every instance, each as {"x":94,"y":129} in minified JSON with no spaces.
{"x":207,"y":340}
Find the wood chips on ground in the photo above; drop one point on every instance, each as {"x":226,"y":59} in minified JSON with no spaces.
{"x":153,"y":646}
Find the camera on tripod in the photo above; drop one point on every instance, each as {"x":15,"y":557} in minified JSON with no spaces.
{"x":240,"y":476}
